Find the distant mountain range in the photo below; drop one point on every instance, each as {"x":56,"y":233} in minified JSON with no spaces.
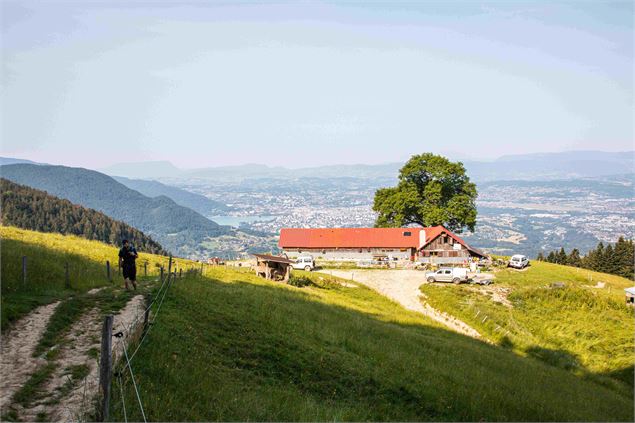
{"x":177,"y":228}
{"x":29,"y":208}
{"x":11,"y":160}
{"x":539,"y":166}
{"x":196,"y":202}
{"x":150,"y":169}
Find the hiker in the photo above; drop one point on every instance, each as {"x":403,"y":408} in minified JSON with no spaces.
{"x":127,"y":257}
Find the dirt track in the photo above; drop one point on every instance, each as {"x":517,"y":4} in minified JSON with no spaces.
{"x":402,"y":286}
{"x":17,"y":349}
{"x":18,"y":364}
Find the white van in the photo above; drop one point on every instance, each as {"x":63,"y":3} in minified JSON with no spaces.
{"x":448,"y":274}
{"x":304,"y":263}
{"x":518,"y":261}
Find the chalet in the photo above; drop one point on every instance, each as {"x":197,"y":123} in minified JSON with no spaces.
{"x":431,"y":245}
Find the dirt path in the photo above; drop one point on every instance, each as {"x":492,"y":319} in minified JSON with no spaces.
{"x":402,"y":286}
{"x":18,"y":344}
{"x":65,"y":398}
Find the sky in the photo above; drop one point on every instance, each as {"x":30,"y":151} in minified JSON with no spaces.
{"x":209,"y":83}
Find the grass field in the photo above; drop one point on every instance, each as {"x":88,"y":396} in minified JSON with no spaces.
{"x":235,"y":347}
{"x":580,"y":327}
{"x":47,"y":255}
{"x":231,"y":346}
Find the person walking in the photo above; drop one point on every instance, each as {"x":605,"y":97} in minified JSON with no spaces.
{"x":127,"y":256}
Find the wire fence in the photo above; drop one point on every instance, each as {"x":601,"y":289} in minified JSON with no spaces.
{"x":134,"y":334}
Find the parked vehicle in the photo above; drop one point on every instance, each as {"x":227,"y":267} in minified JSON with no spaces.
{"x":304,"y":263}
{"x":448,"y":274}
{"x":518,"y":261}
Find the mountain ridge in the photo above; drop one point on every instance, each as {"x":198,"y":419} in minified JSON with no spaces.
{"x":177,"y":228}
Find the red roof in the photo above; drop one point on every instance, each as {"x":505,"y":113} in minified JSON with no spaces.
{"x":363,"y":238}
{"x":349,"y":238}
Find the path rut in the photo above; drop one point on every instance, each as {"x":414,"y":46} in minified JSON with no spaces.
{"x":18,"y":344}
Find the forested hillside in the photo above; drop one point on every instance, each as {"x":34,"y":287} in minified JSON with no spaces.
{"x":177,"y":228}
{"x":196,"y":202}
{"x":28,"y":208}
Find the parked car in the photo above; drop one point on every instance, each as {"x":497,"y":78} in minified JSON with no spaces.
{"x":448,"y":274}
{"x":518,"y":261}
{"x":304,"y":263}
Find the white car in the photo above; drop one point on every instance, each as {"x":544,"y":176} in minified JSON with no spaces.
{"x":448,"y":274}
{"x":518,"y":261}
{"x":304,"y":263}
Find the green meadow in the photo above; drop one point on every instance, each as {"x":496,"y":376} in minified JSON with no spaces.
{"x":229,"y":346}
{"x":234,"y":347}
{"x":47,"y":256}
{"x":577,"y":324}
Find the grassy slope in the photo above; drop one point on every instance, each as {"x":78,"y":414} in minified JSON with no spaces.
{"x":580,"y":328}
{"x":235,"y":347}
{"x":46,"y":256}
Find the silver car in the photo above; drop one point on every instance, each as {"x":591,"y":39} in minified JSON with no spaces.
{"x":448,"y":274}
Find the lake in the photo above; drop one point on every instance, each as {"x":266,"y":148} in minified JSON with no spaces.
{"x":235,"y":221}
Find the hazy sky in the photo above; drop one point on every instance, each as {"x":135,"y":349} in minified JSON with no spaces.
{"x":308,"y":83}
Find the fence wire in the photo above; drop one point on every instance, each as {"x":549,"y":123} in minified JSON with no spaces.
{"x":158,"y":298}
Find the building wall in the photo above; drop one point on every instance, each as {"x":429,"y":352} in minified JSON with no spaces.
{"x":348,"y":254}
{"x":444,"y":247}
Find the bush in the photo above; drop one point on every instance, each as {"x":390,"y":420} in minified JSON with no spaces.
{"x":299,"y":281}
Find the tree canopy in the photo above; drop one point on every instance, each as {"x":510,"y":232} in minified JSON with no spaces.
{"x":28,"y":208}
{"x":431,"y":191}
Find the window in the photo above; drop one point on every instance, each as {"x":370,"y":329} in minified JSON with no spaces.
{"x":407,"y":233}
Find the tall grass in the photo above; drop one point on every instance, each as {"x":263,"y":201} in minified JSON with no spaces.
{"x":47,"y":255}
{"x":235,"y":347}
{"x":586,"y":330}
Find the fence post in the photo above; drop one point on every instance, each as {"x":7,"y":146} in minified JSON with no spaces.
{"x":24,"y":270}
{"x":105,"y":367}
{"x":169,"y":270}
{"x":145,"y":269}
{"x":180,"y":273}
{"x":108,"y":275}
{"x":161,"y":274}
{"x":67,"y":280}
{"x":146,"y":315}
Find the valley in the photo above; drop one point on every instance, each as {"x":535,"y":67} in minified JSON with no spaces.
{"x":514,"y":216}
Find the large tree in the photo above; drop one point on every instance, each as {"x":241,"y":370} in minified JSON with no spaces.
{"x":431,"y":191}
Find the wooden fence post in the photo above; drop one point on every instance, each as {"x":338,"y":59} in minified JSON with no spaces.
{"x":145,"y":269}
{"x":108,"y":275}
{"x":146,"y":315}
{"x":180,"y":273}
{"x":161,"y":274}
{"x":67,"y":279}
{"x":24,"y":270}
{"x":169,"y":270}
{"x":105,"y":367}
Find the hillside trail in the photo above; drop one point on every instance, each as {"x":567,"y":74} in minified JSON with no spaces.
{"x":18,"y":343}
{"x":64,"y":398}
{"x":402,"y":286}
